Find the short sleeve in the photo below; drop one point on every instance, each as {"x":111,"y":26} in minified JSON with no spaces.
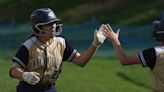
{"x":148,"y":57}
{"x":21,"y":56}
{"x":69,"y":52}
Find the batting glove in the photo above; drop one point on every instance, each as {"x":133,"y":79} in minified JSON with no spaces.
{"x":31,"y":77}
{"x":99,"y":37}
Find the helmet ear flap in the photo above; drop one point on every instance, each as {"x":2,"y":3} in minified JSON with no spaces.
{"x":59,"y":29}
{"x":154,"y":33}
{"x":158,"y":35}
{"x":35,"y":30}
{"x":155,"y":29}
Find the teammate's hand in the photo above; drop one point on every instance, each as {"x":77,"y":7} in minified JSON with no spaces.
{"x":99,"y":37}
{"x":110,"y":34}
{"x":31,"y":77}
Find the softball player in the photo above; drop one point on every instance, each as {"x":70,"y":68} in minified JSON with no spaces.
{"x":151,"y":57}
{"x":38,"y":62}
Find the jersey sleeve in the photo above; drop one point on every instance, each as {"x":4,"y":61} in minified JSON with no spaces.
{"x":69,"y":52}
{"x":21,"y":57}
{"x":148,"y":57}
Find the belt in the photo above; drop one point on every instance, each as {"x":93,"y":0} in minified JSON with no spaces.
{"x":37,"y":85}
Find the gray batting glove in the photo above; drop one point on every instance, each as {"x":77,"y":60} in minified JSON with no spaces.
{"x":31,"y":77}
{"x":99,"y":37}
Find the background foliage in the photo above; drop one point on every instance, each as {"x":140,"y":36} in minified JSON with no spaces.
{"x":120,"y":12}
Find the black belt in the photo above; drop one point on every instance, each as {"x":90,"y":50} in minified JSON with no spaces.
{"x":37,"y":85}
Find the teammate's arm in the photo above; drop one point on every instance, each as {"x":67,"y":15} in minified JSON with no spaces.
{"x":123,"y":57}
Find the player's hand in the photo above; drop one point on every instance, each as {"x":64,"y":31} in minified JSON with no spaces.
{"x":31,"y":77}
{"x":110,"y":34}
{"x":99,"y":37}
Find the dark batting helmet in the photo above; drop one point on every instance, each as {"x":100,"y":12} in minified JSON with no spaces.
{"x":158,"y":31}
{"x":41,"y":17}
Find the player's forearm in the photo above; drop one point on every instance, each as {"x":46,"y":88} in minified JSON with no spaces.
{"x":84,"y":58}
{"x":17,"y":73}
{"x":119,"y":51}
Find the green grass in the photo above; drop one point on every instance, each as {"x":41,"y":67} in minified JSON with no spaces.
{"x":99,"y":75}
{"x":7,"y":84}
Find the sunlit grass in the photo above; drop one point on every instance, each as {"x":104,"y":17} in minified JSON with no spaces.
{"x":99,"y":75}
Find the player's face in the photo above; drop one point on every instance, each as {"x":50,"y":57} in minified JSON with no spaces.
{"x":49,"y":29}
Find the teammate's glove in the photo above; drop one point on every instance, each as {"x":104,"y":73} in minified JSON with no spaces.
{"x":98,"y":37}
{"x":31,"y":77}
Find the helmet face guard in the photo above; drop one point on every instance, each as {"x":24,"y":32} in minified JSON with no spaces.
{"x":158,"y":31}
{"x":55,"y":32}
{"x":42,"y":17}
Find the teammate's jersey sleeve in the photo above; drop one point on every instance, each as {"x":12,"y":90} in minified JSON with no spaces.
{"x":69,"y":52}
{"x":148,"y":57}
{"x":21,"y":57}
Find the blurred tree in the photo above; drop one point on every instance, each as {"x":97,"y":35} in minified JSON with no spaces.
{"x":121,"y":12}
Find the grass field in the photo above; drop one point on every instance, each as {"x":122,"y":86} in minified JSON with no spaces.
{"x":99,"y":75}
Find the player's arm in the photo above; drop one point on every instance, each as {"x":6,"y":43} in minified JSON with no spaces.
{"x":20,"y":61}
{"x":82,"y":59}
{"x":16,"y":71}
{"x":71,"y":55}
{"x":19,"y":73}
{"x":123,"y":57}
